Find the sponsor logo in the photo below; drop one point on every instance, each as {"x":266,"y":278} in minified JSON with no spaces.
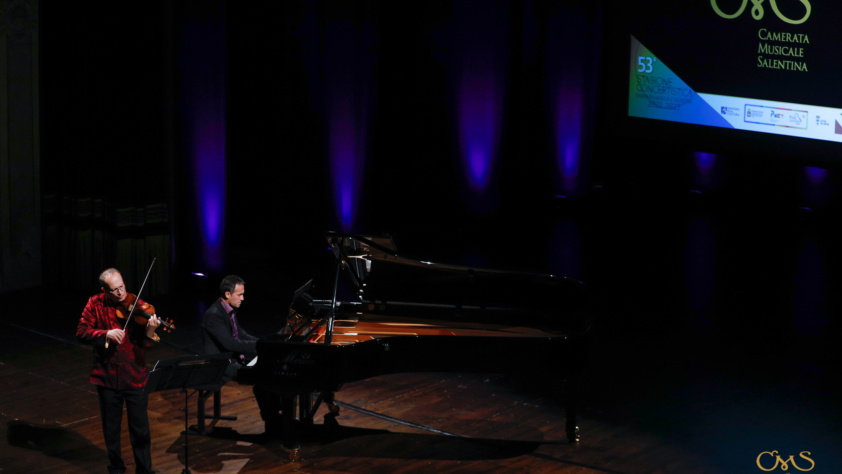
{"x":776,"y":116}
{"x":733,"y":111}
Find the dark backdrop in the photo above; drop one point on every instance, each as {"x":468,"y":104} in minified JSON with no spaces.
{"x":746,"y":244}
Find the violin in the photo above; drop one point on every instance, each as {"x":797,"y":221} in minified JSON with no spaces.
{"x":140,"y":314}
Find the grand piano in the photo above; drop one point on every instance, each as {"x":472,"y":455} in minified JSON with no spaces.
{"x":385,"y":313}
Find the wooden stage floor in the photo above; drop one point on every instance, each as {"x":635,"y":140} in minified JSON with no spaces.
{"x":646,"y":408}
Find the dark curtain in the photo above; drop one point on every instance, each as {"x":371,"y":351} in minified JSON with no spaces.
{"x":104,"y":174}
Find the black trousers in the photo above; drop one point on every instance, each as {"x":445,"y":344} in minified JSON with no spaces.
{"x":268,"y":402}
{"x":111,"y":411}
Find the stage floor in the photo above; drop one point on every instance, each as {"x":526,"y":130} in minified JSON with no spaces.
{"x":650,"y":403}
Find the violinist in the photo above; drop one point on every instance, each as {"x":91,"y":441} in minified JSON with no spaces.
{"x":119,"y":369}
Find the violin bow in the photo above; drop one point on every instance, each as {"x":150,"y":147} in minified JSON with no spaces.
{"x":137,"y":297}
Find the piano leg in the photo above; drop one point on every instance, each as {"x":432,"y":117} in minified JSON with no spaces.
{"x":288,"y":428}
{"x":332,"y":407}
{"x":305,"y":411}
{"x":571,"y":403}
{"x":294,"y":427}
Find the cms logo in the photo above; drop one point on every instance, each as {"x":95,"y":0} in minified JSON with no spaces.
{"x":771,"y":460}
{"x":757,"y":10}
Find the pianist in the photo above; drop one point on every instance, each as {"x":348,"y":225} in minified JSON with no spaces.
{"x":221,"y":333}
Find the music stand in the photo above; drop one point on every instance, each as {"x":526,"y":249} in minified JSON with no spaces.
{"x":198,"y":372}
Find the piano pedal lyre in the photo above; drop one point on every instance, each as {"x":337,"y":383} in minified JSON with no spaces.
{"x":573,"y":435}
{"x":295,"y":454}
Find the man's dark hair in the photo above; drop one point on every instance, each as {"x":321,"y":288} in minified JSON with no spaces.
{"x":229,"y":283}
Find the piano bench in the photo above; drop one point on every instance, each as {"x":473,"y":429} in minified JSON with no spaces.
{"x":201,"y":415}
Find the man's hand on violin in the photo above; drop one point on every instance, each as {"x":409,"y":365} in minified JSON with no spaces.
{"x":115,"y":335}
{"x":152,"y":325}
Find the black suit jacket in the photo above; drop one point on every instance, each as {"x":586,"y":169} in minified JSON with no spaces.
{"x":218,"y":338}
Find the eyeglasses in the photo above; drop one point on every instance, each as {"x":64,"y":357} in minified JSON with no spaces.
{"x":117,"y":290}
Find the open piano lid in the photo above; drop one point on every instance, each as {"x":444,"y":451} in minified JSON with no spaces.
{"x":382,"y":281}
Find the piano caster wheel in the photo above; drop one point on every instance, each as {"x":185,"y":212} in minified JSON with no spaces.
{"x":333,"y":408}
{"x":295,"y":454}
{"x":573,"y":436}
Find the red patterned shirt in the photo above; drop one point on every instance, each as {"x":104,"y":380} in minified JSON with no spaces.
{"x":120,"y":366}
